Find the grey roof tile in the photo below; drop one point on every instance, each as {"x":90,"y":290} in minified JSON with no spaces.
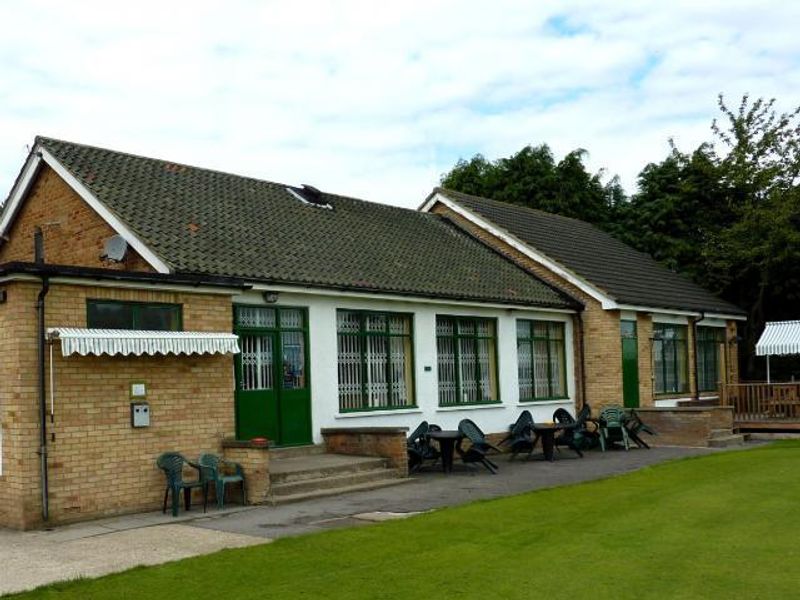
{"x":203,"y":221}
{"x":623,"y":273}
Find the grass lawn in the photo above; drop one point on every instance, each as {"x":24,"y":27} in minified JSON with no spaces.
{"x":720,"y":526}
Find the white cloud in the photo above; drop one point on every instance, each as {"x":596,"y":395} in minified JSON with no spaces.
{"x":377,"y":100}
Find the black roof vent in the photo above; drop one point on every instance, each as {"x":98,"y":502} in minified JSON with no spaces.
{"x":310,"y":195}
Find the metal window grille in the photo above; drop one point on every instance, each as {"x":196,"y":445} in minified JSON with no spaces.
{"x":466,"y":360}
{"x":541,"y":356}
{"x":374,"y":360}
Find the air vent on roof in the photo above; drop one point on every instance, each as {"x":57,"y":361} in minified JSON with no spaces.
{"x":309,"y":195}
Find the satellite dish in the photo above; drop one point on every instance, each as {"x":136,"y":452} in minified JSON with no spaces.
{"x":115,"y":249}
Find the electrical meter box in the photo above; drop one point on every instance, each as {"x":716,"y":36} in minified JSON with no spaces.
{"x":140,"y":414}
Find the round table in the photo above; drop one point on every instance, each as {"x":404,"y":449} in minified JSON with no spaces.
{"x":547,"y":433}
{"x":447,"y":440}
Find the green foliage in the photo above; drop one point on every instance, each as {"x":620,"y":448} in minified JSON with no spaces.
{"x":717,"y":526}
{"x":533,"y":178}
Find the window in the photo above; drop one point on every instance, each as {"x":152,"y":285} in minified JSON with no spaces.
{"x":670,"y":358}
{"x":708,"y":342}
{"x":111,"y":314}
{"x":541,"y":360}
{"x":467,"y":360}
{"x":375,"y":360}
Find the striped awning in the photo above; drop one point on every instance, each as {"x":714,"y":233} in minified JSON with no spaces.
{"x":779,"y":338}
{"x":131,"y":342}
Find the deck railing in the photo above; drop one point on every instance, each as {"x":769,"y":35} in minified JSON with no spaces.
{"x":762,"y":401}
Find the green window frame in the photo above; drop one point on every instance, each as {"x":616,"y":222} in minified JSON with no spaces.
{"x":708,"y":355}
{"x":467,"y":360}
{"x":375,"y":358}
{"x":116,"y":314}
{"x":541,"y":360}
{"x":670,"y":358}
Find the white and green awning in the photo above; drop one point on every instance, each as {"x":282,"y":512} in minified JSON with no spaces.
{"x":122,"y":342}
{"x":779,"y":339}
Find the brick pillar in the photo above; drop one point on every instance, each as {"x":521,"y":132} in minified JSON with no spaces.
{"x":255,"y":462}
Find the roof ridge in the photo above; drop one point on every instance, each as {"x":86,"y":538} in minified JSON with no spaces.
{"x":40,"y":138}
{"x":512,"y":204}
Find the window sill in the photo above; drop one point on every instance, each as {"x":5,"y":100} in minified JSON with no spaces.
{"x":388,"y":412}
{"x":544,"y":402}
{"x":471,"y":407}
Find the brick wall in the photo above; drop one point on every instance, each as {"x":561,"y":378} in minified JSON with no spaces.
{"x":387,"y":442}
{"x":685,"y":426}
{"x":100,"y":465}
{"x":73,"y":233}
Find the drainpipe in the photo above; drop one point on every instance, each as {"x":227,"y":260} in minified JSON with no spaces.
{"x":582,"y":342}
{"x":38,"y":243}
{"x":696,"y":371}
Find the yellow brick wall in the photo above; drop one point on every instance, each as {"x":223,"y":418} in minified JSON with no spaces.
{"x":73,"y":233}
{"x":644,"y":332}
{"x":100,"y":465}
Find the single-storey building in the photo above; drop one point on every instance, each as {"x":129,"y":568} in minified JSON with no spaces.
{"x":148,"y":306}
{"x":346,"y":313}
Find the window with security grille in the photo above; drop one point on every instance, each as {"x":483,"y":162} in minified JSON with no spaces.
{"x":375,"y":360}
{"x":541,"y":357}
{"x":467,"y":360}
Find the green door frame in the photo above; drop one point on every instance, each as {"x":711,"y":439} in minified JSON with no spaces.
{"x":630,"y":363}
{"x":281,"y":414}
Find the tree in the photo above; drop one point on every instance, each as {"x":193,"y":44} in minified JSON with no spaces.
{"x":533,"y":178}
{"x":727,"y":215}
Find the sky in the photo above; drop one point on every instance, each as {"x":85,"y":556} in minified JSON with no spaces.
{"x":378,"y":100}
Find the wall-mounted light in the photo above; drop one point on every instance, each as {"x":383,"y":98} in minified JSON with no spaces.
{"x":270,"y":297}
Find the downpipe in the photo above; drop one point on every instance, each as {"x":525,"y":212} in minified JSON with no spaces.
{"x":40,"y":334}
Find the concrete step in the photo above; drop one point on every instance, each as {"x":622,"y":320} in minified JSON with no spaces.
{"x":726,"y":441}
{"x":324,"y":492}
{"x":303,"y":468}
{"x":338,"y":481}
{"x":296,"y":451}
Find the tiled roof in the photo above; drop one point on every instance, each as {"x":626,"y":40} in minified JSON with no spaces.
{"x":622,"y":273}
{"x":207,"y":222}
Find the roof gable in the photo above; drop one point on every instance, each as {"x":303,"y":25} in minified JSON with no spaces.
{"x":612,"y":268}
{"x":207,"y":222}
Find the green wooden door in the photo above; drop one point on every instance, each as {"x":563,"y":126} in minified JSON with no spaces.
{"x":273,"y":398}
{"x":630,"y":364}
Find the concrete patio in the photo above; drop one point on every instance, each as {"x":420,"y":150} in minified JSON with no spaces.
{"x":99,"y":547}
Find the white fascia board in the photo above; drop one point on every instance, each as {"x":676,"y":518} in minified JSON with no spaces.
{"x":606,"y":302}
{"x":20,"y":190}
{"x":113,"y":221}
{"x":313,"y":291}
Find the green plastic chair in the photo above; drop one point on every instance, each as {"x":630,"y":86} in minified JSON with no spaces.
{"x":612,"y":427}
{"x":213,"y":471}
{"x":172,"y":464}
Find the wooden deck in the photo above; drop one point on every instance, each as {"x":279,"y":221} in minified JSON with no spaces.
{"x":763,"y":407}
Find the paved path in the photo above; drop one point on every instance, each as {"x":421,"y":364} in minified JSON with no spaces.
{"x":432,"y":489}
{"x":30,"y":559}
